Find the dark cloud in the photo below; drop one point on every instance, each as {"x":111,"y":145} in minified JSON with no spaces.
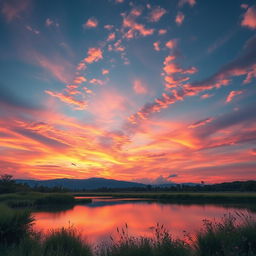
{"x":173,"y":175}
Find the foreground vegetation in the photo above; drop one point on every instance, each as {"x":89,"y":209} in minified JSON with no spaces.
{"x":233,"y":236}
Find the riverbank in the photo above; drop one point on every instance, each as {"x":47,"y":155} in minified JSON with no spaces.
{"x":36,"y":199}
{"x":194,"y":197}
{"x":232,"y":236}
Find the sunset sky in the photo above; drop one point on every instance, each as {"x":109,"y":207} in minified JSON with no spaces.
{"x":149,"y":91}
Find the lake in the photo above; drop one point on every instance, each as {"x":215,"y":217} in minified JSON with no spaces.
{"x":97,"y":221}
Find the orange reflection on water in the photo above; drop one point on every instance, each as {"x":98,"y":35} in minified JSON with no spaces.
{"x":98,"y":222}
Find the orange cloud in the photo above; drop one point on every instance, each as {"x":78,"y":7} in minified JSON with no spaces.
{"x":249,"y":18}
{"x":91,"y":23}
{"x":139,"y":88}
{"x":179,"y":18}
{"x":77,"y":104}
{"x":94,"y":55}
{"x":232,"y":94}
{"x":156,"y":14}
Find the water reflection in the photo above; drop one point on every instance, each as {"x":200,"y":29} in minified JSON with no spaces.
{"x":99,"y":219}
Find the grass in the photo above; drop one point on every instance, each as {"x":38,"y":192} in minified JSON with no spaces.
{"x":14,"y":225}
{"x":232,"y":236}
{"x":162,"y":244}
{"x":36,"y":199}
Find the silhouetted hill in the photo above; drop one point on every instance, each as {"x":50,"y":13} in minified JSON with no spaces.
{"x":80,"y":184}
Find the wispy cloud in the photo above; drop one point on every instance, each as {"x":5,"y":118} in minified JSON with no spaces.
{"x":232,"y":94}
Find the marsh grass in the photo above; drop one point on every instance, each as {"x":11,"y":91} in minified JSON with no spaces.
{"x":233,"y":236}
{"x":14,"y":225}
{"x":162,"y":244}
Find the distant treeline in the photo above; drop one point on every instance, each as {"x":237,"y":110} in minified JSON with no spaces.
{"x":239,"y":186}
{"x":8,"y":185}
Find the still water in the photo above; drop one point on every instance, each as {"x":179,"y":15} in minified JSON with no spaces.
{"x":99,"y":220}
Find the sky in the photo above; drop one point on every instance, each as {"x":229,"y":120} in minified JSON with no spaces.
{"x":150,"y":91}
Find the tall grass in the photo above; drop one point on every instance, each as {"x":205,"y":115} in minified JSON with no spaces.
{"x":65,"y":242}
{"x":14,"y":225}
{"x":233,"y":236}
{"x":162,"y":244}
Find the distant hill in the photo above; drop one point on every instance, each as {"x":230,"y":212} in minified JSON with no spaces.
{"x":79,"y":184}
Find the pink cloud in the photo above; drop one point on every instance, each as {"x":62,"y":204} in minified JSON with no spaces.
{"x":179,"y":18}
{"x":249,"y":18}
{"x":139,"y":88}
{"x":190,"y":2}
{"x":49,"y":22}
{"x":162,"y":31}
{"x":130,"y":23}
{"x":171,"y":43}
{"x":58,"y":67}
{"x":206,"y":96}
{"x":94,"y":55}
{"x":79,"y":80}
{"x":81,"y":66}
{"x":157,"y":46}
{"x":111,"y":37}
{"x":201,"y":123}
{"x":108,"y":27}
{"x":33,"y":30}
{"x":91,"y":23}
{"x":97,"y":81}
{"x":156,"y":14}
{"x":244,"y":6}
{"x":232,"y":94}
{"x":12,"y":9}
{"x":105,"y":71}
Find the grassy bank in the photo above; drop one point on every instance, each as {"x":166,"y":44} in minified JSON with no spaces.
{"x":36,"y":199}
{"x":229,"y":237}
{"x":215,"y":197}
